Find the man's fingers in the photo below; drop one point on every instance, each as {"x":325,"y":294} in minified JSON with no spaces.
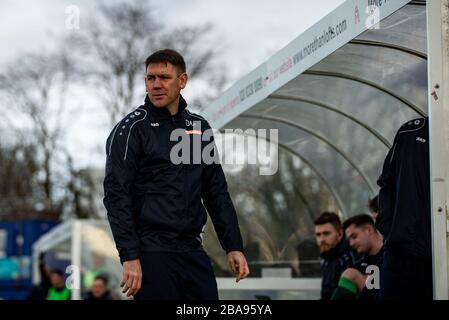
{"x":239,"y":270}
{"x":126,"y":287}
{"x":125,"y":278}
{"x":132,"y":277}
{"x":139,"y":284}
{"x":233,"y":267}
{"x":243,"y":270}
{"x":135,"y":286}
{"x":127,"y":282}
{"x":246,"y":270}
{"x":238,"y":264}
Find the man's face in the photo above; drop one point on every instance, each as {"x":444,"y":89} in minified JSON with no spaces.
{"x":327,"y":236}
{"x":164,"y":83}
{"x":359,"y":238}
{"x":57,"y":280}
{"x":98,"y":288}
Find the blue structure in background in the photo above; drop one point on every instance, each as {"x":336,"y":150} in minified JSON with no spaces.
{"x":16,"y":241}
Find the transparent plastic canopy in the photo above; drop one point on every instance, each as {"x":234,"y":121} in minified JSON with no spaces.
{"x":341,"y":114}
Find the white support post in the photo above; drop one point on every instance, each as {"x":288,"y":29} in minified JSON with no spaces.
{"x":76,"y":259}
{"x":438,"y":66}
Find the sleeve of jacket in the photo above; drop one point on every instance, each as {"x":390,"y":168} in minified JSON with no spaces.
{"x":387,"y":191}
{"x":123,"y":149}
{"x":218,"y":203}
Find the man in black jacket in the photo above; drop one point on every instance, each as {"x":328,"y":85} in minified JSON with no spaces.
{"x":154,"y":196}
{"x":334,"y":250}
{"x":404,"y":215}
{"x":362,"y":280}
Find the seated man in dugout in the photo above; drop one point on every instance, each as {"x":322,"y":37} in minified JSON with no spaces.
{"x":335,"y":253}
{"x":363,"y":280}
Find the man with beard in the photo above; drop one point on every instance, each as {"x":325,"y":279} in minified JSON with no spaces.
{"x":334,"y":251}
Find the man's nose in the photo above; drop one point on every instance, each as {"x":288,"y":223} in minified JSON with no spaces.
{"x":157,"y":83}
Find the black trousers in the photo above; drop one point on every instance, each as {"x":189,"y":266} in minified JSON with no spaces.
{"x":405,"y":277}
{"x":177,"y":276}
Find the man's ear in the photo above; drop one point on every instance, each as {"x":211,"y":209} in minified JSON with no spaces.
{"x":369,"y":228}
{"x":340,"y":233}
{"x":183,"y":78}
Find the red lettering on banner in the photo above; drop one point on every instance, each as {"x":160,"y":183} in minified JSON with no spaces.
{"x":286,"y":65}
{"x":229,"y":106}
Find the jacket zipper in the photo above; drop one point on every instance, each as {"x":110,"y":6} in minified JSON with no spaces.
{"x":185,"y":193}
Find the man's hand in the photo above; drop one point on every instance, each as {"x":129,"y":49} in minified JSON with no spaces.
{"x":238,"y":264}
{"x":132,"y":277}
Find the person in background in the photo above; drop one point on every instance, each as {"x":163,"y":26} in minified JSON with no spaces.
{"x":335,"y":252}
{"x":58,"y":289}
{"x":368,"y":242}
{"x":40,"y":291}
{"x":404,"y":215}
{"x":99,"y":289}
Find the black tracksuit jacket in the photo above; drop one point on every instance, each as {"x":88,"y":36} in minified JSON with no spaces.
{"x":404,"y":196}
{"x":333,"y":263}
{"x":154,"y":204}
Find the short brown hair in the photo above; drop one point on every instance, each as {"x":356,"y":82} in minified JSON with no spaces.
{"x":359,"y":220}
{"x":165,"y":56}
{"x":329,"y":217}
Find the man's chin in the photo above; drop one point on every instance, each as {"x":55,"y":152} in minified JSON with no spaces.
{"x":158,"y":104}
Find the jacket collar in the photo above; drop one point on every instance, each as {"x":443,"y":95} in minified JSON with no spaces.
{"x":163,"y":112}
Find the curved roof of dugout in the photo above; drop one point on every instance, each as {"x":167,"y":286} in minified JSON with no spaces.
{"x":338,"y":93}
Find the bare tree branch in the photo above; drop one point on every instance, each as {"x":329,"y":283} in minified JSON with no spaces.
{"x":114,"y":45}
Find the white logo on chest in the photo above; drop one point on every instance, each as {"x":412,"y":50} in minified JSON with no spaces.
{"x":421,"y":140}
{"x":190,"y":123}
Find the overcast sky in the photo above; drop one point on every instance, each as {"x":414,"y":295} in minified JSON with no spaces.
{"x":250,"y":31}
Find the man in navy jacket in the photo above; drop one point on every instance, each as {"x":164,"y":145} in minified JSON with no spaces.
{"x":155,"y":200}
{"x":404,"y":215}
